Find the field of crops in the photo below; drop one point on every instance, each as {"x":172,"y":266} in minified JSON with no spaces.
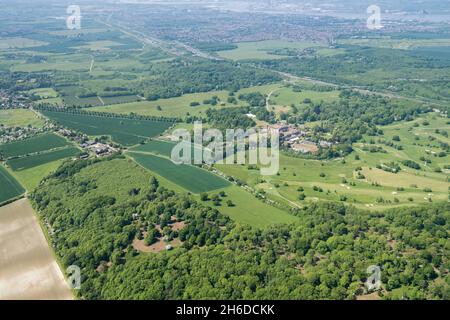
{"x":42,"y":158}
{"x":32,"y":145}
{"x":29,"y":268}
{"x":157,"y":147}
{"x":273,"y":49}
{"x":10,"y":188}
{"x":125,"y":131}
{"x":191,"y":178}
{"x":172,"y":107}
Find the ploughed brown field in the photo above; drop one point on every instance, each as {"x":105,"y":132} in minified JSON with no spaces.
{"x":28,"y":269}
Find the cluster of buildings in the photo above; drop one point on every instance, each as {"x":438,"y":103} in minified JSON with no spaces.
{"x":90,"y":147}
{"x":10,"y":101}
{"x":8,"y":134}
{"x":97,"y":148}
{"x":298,"y":138}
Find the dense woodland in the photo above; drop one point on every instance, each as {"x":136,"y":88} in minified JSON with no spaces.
{"x":229,"y":118}
{"x":189,"y":76}
{"x":93,"y":221}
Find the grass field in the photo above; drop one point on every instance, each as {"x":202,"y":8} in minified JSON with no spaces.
{"x":378,"y":188}
{"x":19,"y":43}
{"x":265,"y":49}
{"x":32,"y":161}
{"x":191,"y":178}
{"x":35,"y":144}
{"x":47,"y":96}
{"x":44,"y":93}
{"x":10,"y":187}
{"x":252,"y":211}
{"x":31,"y":177}
{"x":282,"y":97}
{"x":121,"y":130}
{"x":20,"y":118}
{"x":173,"y":107}
{"x":157,"y":147}
{"x":287,"y":96}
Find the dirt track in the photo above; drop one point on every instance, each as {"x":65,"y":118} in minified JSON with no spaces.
{"x":28,"y":269}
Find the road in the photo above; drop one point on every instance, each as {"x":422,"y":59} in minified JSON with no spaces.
{"x":268,"y":98}
{"x":178,"y":48}
{"x":139,"y":36}
{"x":92,"y":64}
{"x":293,"y":78}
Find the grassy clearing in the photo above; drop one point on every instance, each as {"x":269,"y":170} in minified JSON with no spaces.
{"x":174,"y":107}
{"x":266,"y":49}
{"x":286,"y":96}
{"x":124,"y":131}
{"x":36,"y":144}
{"x":250,"y":210}
{"x":20,"y":118}
{"x":44,"y":93}
{"x":32,"y":161}
{"x":10,"y":187}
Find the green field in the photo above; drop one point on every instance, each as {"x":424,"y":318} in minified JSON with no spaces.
{"x":20,"y":118}
{"x":35,"y":144}
{"x":287,"y":96}
{"x":252,"y":211}
{"x":173,"y":107}
{"x":267,"y":49}
{"x":31,"y":177}
{"x":10,"y":187}
{"x":121,"y":130}
{"x":282,"y":97}
{"x":180,"y":106}
{"x":44,"y":93}
{"x":191,"y":178}
{"x":157,"y":147}
{"x":28,"y":162}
